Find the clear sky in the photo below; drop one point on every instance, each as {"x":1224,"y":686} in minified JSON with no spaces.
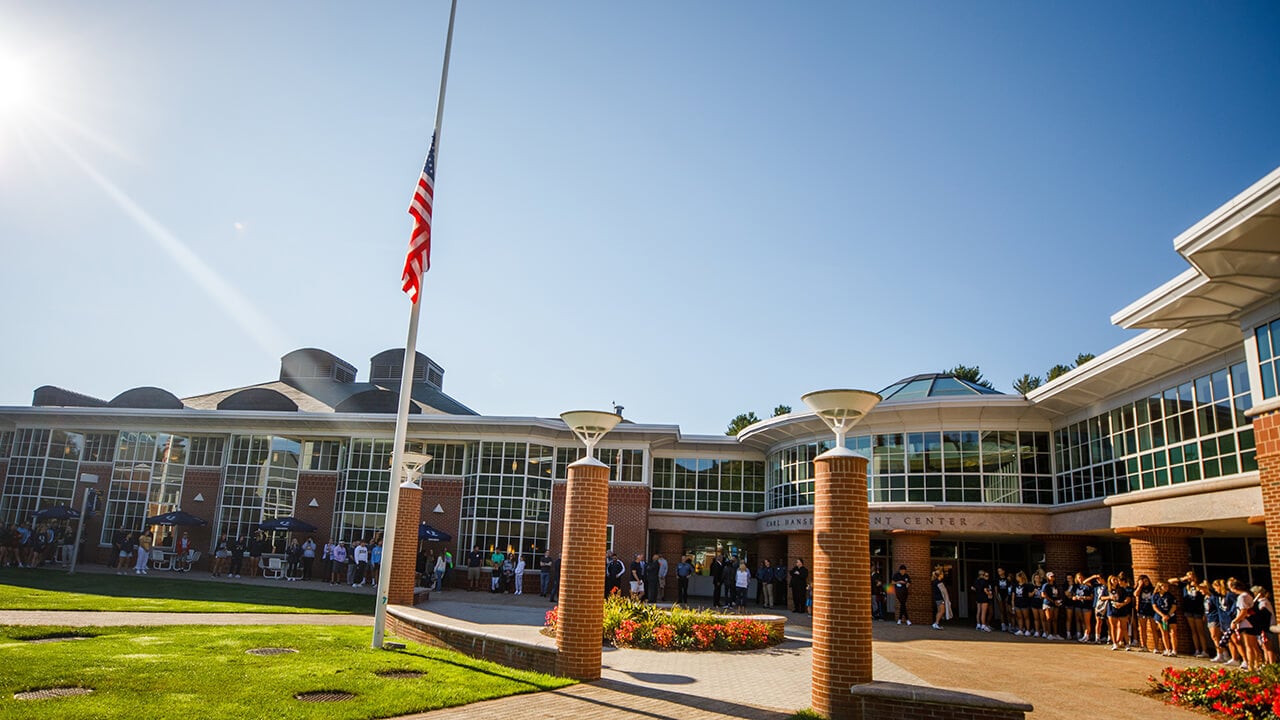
{"x":692,"y":209}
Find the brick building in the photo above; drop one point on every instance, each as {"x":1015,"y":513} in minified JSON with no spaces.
{"x":1160,"y":454}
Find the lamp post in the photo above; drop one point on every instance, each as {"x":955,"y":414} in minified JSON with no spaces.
{"x":841,"y":558}
{"x":586,"y":513}
{"x":397,"y":574}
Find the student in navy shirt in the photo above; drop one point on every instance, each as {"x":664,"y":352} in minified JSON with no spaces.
{"x":1022,"y":601}
{"x":1121,"y":601}
{"x":1051,"y":601}
{"x":1165,"y":604}
{"x":1148,"y":631}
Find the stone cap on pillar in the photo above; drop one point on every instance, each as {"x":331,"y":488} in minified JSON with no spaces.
{"x":1159,"y":531}
{"x":1259,"y":520}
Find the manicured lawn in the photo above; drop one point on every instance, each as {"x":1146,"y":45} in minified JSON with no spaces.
{"x":204,"y":672}
{"x":51,"y":590}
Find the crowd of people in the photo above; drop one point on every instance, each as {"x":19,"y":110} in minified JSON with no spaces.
{"x":1228,"y":620}
{"x":35,"y":544}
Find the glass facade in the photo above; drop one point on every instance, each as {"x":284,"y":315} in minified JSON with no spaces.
{"x":260,"y":482}
{"x":624,"y":465}
{"x":956,"y":466}
{"x":146,"y":479}
{"x":1193,"y":430}
{"x":506,"y":498}
{"x":42,"y":472}
{"x":1268,"y":342}
{"x":708,"y":485}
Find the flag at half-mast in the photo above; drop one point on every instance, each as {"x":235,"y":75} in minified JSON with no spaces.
{"x":418,"y":261}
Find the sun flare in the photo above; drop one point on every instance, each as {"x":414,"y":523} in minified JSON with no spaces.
{"x":18,"y":86}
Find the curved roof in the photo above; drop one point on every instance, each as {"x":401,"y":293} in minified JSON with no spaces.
{"x":933,"y":386}
{"x":258,"y":398}
{"x":153,"y":398}
{"x":376,"y":400}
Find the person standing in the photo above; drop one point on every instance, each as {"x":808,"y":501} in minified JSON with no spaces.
{"x":764,"y":577}
{"x":361,"y":557}
{"x":663,"y":569}
{"x":339,"y":572}
{"x":941,"y":598}
{"x":799,"y":587}
{"x":144,"y":554}
{"x":475,"y":559}
{"x":308,"y":557}
{"x":293,"y":555}
{"x":684,"y":569}
{"x":652,"y":578}
{"x":717,"y":580}
{"x":520,"y":576}
{"x":183,"y":551}
{"x":637,"y":578}
{"x":439,"y":570}
{"x":981,"y":589}
{"x":901,"y":589}
{"x":741,"y":584}
{"x":544,"y":573}
{"x":553,"y":589}
{"x":614,"y":574}
{"x":375,"y":562}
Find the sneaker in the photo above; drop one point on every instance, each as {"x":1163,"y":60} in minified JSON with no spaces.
{"x":1244,"y":666}
{"x":1127,"y":648}
{"x":908,"y":622}
{"x":936,"y":626}
{"x":986,"y":628}
{"x":1018,"y":633}
{"x":899,"y":621}
{"x":1233,"y":662}
{"x":1115,"y":647}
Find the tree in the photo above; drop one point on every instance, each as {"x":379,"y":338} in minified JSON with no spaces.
{"x":972,"y":374}
{"x":741,"y":421}
{"x":1083,"y":358}
{"x":1058,"y":371}
{"x":1027,"y":383}
{"x":781,"y":410}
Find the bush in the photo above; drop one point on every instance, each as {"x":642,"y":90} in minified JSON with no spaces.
{"x":639,"y":625}
{"x":1243,"y":695}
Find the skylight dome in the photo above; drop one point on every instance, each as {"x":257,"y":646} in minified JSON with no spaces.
{"x":933,"y":385}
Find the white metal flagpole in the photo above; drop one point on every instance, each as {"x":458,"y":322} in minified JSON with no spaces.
{"x":406,"y":388}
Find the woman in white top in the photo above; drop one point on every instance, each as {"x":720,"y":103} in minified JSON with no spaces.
{"x":440,"y":569}
{"x":1240,"y":623}
{"x":742,"y":580}
{"x":520,"y":576}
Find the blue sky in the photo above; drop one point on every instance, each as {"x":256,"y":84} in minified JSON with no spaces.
{"x":692,"y":209}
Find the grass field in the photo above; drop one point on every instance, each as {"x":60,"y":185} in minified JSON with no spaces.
{"x":205,"y":672}
{"x":49,"y":590}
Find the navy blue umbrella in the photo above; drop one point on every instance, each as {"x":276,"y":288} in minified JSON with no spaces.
{"x":426,"y":532}
{"x":57,"y":512}
{"x":177,"y":517}
{"x":291,"y":524}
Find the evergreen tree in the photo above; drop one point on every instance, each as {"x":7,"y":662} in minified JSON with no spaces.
{"x":1057,"y":371}
{"x":1027,"y":383}
{"x":741,"y":421}
{"x":781,"y":410}
{"x":972,"y":374}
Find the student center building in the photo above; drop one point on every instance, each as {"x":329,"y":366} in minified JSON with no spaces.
{"x":1159,"y":453}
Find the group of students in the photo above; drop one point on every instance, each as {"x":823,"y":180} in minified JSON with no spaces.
{"x":1229,"y":621}
{"x":30,"y":547}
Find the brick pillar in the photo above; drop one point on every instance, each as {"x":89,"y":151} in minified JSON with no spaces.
{"x":1266,"y":434}
{"x":911,"y":548}
{"x":405,"y":548}
{"x":580,"y":631}
{"x":1064,"y":554}
{"x":841,"y":590}
{"x":1161,"y":553}
{"x":671,"y":546}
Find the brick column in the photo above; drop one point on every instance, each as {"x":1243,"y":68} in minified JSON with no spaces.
{"x":580,"y":631}
{"x":840,"y":578}
{"x":671,"y":546}
{"x":405,"y":549}
{"x":1064,"y":554}
{"x":911,"y":548}
{"x":1266,"y":434}
{"x":1161,"y":553}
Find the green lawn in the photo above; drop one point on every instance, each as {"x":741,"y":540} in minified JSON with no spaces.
{"x":204,"y":672}
{"x":49,"y":590}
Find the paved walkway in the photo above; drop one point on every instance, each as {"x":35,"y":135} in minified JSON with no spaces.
{"x":1064,"y":680}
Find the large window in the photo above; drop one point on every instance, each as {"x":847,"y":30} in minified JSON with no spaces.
{"x":261,"y":482}
{"x":42,"y":472}
{"x":506,"y":498}
{"x":362,"y":494}
{"x":206,"y":451}
{"x":708,"y":485}
{"x":1268,"y":338}
{"x":146,"y":479}
{"x":624,"y":465}
{"x":1196,"y":429}
{"x":955,"y":466}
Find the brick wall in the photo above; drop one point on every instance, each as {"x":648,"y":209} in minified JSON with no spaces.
{"x":896,"y":701}
{"x":323,"y":488}
{"x":1064,"y":554}
{"x":671,"y":545}
{"x":204,"y":482}
{"x":555,"y":539}
{"x":841,"y":569}
{"x":506,"y":652}
{"x":629,"y":516}
{"x":1266,"y":433}
{"x":911,"y":548}
{"x":447,"y":493}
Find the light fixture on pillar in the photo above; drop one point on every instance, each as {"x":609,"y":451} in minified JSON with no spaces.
{"x":413,"y":464}
{"x":590,"y":426}
{"x":840,"y":410}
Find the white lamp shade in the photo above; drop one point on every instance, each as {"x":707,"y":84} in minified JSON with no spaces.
{"x":413,"y":458}
{"x":840,"y":409}
{"x":590,"y":422}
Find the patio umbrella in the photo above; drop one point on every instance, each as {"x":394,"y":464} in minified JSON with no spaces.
{"x":426,"y":532}
{"x":57,"y":512}
{"x":177,"y":517}
{"x":291,"y":524}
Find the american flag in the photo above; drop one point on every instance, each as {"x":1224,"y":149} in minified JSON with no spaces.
{"x":418,"y":261}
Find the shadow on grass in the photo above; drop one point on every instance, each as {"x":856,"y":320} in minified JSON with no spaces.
{"x":169,"y":589}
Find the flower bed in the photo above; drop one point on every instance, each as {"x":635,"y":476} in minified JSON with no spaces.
{"x":1245,"y":695}
{"x":639,"y":625}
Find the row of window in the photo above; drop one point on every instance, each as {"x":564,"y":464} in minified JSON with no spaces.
{"x":1267,"y":338}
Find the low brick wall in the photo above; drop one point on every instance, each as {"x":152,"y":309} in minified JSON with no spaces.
{"x":896,"y":701}
{"x":504,"y":651}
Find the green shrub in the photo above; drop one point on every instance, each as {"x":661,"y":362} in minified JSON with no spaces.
{"x":628,"y":623}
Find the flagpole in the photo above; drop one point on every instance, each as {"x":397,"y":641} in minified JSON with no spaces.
{"x":406,"y":388}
